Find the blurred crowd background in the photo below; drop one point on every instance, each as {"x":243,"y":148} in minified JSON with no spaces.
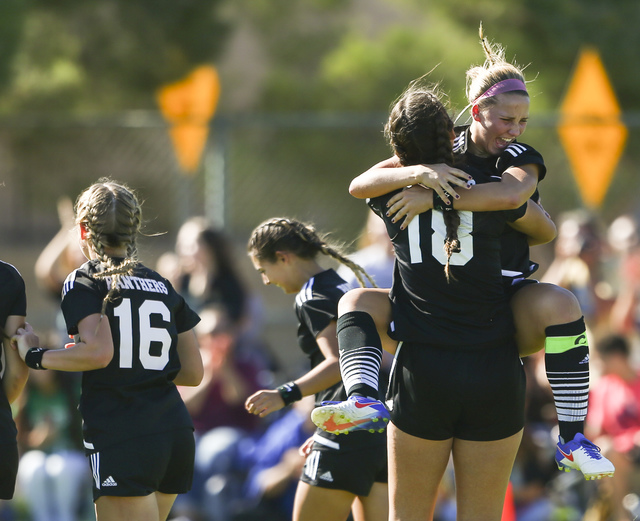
{"x":304,"y":92}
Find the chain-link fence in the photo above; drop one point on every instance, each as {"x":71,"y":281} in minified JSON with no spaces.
{"x":254,"y":168}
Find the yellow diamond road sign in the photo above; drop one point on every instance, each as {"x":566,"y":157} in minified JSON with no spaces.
{"x":189,"y":104}
{"x":590,"y":128}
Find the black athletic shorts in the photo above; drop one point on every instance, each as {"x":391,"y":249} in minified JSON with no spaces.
{"x":345,"y":465}
{"x":160,"y":462}
{"x":438,"y":393}
{"x":8,"y":469}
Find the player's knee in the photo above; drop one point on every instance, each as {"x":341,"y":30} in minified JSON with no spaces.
{"x":359,"y":299}
{"x":547,"y":304}
{"x":349,"y":301}
{"x":563,"y":305}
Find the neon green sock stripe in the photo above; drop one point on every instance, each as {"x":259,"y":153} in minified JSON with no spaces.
{"x":561,"y":344}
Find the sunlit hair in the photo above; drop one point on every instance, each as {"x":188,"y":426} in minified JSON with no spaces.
{"x":495,"y":69}
{"x":283,"y":234}
{"x":111,"y":215}
{"x":419,"y":131}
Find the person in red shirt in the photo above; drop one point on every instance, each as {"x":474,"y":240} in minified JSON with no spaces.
{"x":614,"y":416}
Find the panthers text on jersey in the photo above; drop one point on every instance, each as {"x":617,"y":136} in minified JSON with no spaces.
{"x":134,"y":395}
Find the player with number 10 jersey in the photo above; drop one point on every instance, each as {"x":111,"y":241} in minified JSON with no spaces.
{"x":471,"y":310}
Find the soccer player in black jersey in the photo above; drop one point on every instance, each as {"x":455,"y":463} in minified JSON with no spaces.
{"x":339,"y":474}
{"x":545,"y":315}
{"x":457,"y":386}
{"x":13,"y":372}
{"x":134,"y":342}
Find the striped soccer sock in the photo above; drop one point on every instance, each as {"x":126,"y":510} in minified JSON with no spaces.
{"x":360,"y":354}
{"x":567,"y":366}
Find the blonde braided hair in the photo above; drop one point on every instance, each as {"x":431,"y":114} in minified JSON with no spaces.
{"x":283,"y":234}
{"x":111,"y":214}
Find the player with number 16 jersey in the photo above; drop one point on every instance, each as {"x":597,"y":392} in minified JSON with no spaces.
{"x":134,"y":394}
{"x":133,"y":342}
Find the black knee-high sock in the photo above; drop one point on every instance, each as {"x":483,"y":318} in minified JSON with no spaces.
{"x":567,"y":365}
{"x":360,"y":354}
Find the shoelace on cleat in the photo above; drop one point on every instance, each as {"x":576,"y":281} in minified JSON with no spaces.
{"x":591,"y":449}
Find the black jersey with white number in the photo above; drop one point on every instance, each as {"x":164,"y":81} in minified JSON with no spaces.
{"x":12,"y":303}
{"x":515,"y":246}
{"x":135,"y":394}
{"x":470,"y":310}
{"x":316,"y":306}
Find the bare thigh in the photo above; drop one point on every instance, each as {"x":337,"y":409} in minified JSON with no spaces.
{"x":154,"y":507}
{"x":482,"y":470}
{"x":538,"y":306}
{"x":416,"y":467}
{"x":321,"y":504}
{"x":375,"y":506}
{"x":375,"y":302}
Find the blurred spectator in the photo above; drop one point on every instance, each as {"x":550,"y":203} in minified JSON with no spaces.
{"x":541,"y":492}
{"x":219,"y":417}
{"x":533,"y":471}
{"x":577,"y":266}
{"x":613,"y":421}
{"x":53,"y":476}
{"x":375,"y":254}
{"x":274,"y":464}
{"x":59,"y":258}
{"x":61,"y":255}
{"x":203,"y":270}
{"x":623,"y":238}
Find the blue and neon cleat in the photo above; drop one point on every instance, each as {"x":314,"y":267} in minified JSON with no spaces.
{"x":354,"y":414}
{"x":583,"y":455}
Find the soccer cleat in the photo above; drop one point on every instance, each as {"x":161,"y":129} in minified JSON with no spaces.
{"x":581,"y":454}
{"x":354,"y":414}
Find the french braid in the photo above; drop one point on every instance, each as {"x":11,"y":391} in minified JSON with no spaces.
{"x":283,"y":234}
{"x":112,"y":217}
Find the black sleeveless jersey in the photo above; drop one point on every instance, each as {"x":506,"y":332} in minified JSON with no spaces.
{"x":135,"y":394}
{"x":515,"y":247}
{"x":471,"y":309}
{"x":12,"y":303}
{"x":316,"y":305}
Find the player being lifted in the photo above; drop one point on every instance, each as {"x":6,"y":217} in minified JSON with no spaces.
{"x":545,"y":314}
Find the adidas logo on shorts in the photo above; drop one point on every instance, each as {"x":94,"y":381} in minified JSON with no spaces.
{"x":109,"y":482}
{"x":326,"y":476}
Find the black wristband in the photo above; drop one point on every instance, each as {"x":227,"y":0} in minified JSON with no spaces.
{"x":438,"y":203}
{"x":290,"y":392}
{"x":33,"y":358}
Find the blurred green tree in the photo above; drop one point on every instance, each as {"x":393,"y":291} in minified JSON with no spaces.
{"x":76,"y":56}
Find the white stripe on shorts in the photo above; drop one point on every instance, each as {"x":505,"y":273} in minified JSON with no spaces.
{"x":95,"y":468}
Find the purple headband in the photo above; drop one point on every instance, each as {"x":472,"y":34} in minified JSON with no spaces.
{"x":502,"y":87}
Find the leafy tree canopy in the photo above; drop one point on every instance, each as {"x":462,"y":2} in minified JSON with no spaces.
{"x":70,"y":55}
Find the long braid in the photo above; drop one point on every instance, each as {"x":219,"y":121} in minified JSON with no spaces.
{"x":419,"y":131}
{"x":112,"y":216}
{"x":451,"y":217}
{"x":283,"y":234}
